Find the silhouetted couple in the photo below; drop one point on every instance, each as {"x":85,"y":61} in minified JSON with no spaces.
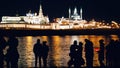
{"x":112,"y":54}
{"x":12,"y":52}
{"x":12,"y":55}
{"x":89,"y":53}
{"x":41,"y":52}
{"x":76,"y":55}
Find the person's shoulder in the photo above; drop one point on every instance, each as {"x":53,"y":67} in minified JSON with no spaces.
{"x":36,"y":44}
{"x":71,"y":45}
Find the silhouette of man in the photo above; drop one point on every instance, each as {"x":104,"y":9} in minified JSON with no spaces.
{"x":110,"y":53}
{"x":89,"y":53}
{"x":37,"y":49}
{"x":2,"y":46}
{"x":72,"y":54}
{"x":101,"y":53}
{"x":45,"y":53}
{"x":12,"y":55}
{"x":116,"y":56}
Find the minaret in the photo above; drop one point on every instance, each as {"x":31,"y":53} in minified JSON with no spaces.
{"x":40,"y":11}
{"x":69,"y":13}
{"x":81,"y":13}
{"x":75,"y":11}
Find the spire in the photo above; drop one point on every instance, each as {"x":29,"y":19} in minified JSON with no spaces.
{"x":81,"y":13}
{"x":40,"y":11}
{"x":69,"y":13}
{"x":75,"y":11}
{"x":29,"y":11}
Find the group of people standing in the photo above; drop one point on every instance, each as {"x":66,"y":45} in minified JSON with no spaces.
{"x":12,"y":55}
{"x":41,"y":52}
{"x":76,"y":58}
{"x":109,"y":52}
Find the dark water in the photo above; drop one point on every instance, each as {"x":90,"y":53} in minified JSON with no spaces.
{"x":59,"y":48}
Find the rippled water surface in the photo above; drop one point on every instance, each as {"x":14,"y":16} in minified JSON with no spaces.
{"x":59,"y":48}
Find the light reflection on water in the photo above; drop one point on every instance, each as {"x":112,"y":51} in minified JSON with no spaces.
{"x":59,"y":48}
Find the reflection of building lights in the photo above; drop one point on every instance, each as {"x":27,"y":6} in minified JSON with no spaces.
{"x":96,"y":49}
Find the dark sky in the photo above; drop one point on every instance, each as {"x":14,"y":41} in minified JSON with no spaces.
{"x":107,"y":10}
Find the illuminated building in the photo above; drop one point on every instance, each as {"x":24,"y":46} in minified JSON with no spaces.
{"x":31,"y":18}
{"x":75,"y":17}
{"x":39,"y":21}
{"x":75,"y":14}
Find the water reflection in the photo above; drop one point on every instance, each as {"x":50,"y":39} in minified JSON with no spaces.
{"x":56,"y":50}
{"x":59,"y":48}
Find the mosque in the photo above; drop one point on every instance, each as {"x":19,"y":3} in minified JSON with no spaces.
{"x":75,"y":17}
{"x":32,"y":18}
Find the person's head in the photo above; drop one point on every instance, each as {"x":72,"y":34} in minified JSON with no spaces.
{"x":111,"y":41}
{"x":80,"y":43}
{"x":86,"y":40}
{"x":75,"y":42}
{"x":38,"y":40}
{"x":101,"y":41}
{"x":44,"y":42}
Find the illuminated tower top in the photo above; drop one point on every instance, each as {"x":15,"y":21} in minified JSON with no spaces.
{"x":69,"y":13}
{"x":40,"y":11}
{"x":81,"y":13}
{"x":75,"y":11}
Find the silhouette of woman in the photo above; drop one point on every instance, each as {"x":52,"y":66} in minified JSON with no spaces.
{"x":2,"y":46}
{"x":12,"y":55}
{"x":101,"y":53}
{"x":45,"y":53}
{"x":89,"y":53}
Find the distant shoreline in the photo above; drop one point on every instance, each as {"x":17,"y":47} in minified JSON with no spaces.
{"x":47,"y":32}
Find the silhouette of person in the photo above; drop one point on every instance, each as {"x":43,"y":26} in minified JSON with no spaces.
{"x":116,"y":55}
{"x":2,"y":46}
{"x":12,"y":55}
{"x":45,"y":53}
{"x":101,"y":53}
{"x":78,"y":59}
{"x":110,"y":53}
{"x":89,"y":53}
{"x":72,"y":54}
{"x":37,"y":49}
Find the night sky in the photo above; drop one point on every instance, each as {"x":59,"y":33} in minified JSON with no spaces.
{"x":107,"y":10}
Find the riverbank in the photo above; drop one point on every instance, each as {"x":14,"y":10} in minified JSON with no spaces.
{"x":31,"y":32}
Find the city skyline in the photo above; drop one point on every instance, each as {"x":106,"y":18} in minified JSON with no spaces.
{"x":99,"y":10}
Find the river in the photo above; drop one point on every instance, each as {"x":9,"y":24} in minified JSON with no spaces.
{"x":59,"y":48}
